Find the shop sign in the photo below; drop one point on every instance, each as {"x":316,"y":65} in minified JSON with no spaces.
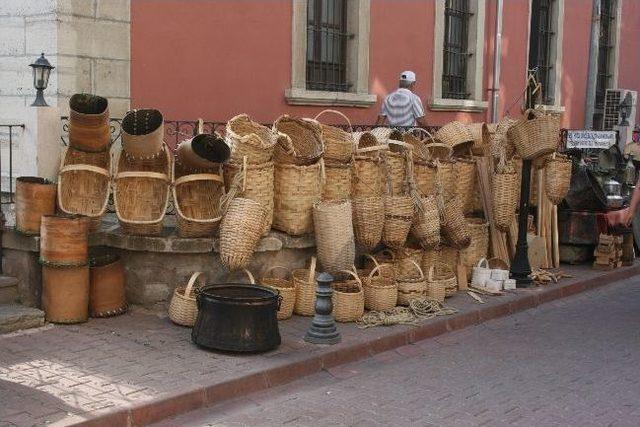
{"x":602,"y":139}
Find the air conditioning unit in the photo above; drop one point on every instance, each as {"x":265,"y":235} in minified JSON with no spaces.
{"x":613,"y":101}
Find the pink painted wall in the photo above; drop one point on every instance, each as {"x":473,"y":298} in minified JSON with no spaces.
{"x":215,"y":59}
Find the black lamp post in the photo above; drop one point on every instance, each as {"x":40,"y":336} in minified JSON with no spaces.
{"x":41,"y":70}
{"x":520,"y":268}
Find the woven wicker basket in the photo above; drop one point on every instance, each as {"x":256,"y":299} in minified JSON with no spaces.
{"x":141,"y":192}
{"x":457,"y":136}
{"x":444,"y":254}
{"x":368,"y":175}
{"x":411,"y":287}
{"x":183,"y":309}
{"x":437,"y":285}
{"x":426,"y":223}
{"x":479,"y":246}
{"x":557,"y":178}
{"x":500,"y":145}
{"x":535,"y":137}
{"x":504,"y":193}
{"x":380,"y":289}
{"x":249,"y":139}
{"x":305,"y":283}
{"x":285,"y":287}
{"x":338,"y":179}
{"x":335,"y":243}
{"x":385,"y":256}
{"x":240,"y":231}
{"x":381,"y":134}
{"x":300,"y":143}
{"x":418,"y":144}
{"x":338,"y":144}
{"x":481,"y":138}
{"x":439,"y":151}
{"x":398,"y":216}
{"x":364,"y":140}
{"x":197,"y":199}
{"x":256,"y":183}
{"x":89,"y":123}
{"x":348,"y":298}
{"x":466,"y":177}
{"x":425,"y":176}
{"x":446,"y":177}
{"x":296,"y":189}
{"x":396,"y":165}
{"x":446,"y":275}
{"x":404,"y":260}
{"x":368,"y":220}
{"x":84,"y":184}
{"x":454,"y":227}
{"x":142,"y":134}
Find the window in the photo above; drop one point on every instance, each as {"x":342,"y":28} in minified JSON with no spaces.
{"x":456,"y":54}
{"x":327,"y":45}
{"x":541,"y":38}
{"x":457,"y":64}
{"x":606,"y":51}
{"x":330,"y":53}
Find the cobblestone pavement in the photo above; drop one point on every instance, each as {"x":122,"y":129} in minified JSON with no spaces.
{"x":569,"y":362}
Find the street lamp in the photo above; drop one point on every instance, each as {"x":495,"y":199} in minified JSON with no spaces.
{"x":41,"y":70}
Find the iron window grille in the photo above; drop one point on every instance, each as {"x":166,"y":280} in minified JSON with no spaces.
{"x":540,"y":42}
{"x":605,"y":51}
{"x":456,"y":49}
{"x":327,"y":45}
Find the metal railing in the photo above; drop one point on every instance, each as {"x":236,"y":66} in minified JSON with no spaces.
{"x":9,"y":134}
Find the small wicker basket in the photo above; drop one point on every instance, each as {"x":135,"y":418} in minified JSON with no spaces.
{"x":285,"y":287}
{"x":348,"y":298}
{"x":411,"y":287}
{"x":338,"y":144}
{"x":183,"y":308}
{"x":305,"y":284}
{"x":537,"y":136}
{"x":380,"y":289}
{"x":557,"y":178}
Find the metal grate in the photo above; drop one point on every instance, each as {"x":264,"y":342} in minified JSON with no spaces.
{"x":456,"y":51}
{"x":540,"y":42}
{"x":611,"y":109}
{"x":327,"y":45}
{"x":605,"y":52}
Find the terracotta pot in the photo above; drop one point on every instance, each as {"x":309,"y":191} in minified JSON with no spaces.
{"x":65,"y":294}
{"x":64,"y":240}
{"x":106,"y":294}
{"x":203,"y":151}
{"x":89,"y":123}
{"x":142,"y":133}
{"x":35,"y":197}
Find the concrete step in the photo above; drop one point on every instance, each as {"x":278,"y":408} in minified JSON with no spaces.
{"x":14,"y":317}
{"x":8,"y":289}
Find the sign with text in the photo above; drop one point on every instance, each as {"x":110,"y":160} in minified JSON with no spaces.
{"x":602,"y":139}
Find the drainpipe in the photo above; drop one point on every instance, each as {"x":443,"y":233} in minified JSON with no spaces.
{"x":593,"y":65}
{"x":497,"y":60}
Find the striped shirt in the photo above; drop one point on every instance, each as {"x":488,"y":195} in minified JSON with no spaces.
{"x":402,"y":107}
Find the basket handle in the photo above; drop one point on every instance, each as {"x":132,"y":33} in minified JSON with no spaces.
{"x":483,"y":261}
{"x":338,"y":113}
{"x":312,"y":270}
{"x":430,"y":274}
{"x":372,"y":258}
{"x":377,"y":269}
{"x":252,"y":280}
{"x":439,"y":144}
{"x":273,"y":267}
{"x":197,"y":177}
{"x":418,"y":267}
{"x":139,"y":174}
{"x":354,"y":275}
{"x":89,"y":168}
{"x":192,"y":280}
{"x":423,"y":130}
{"x":400,"y":143}
{"x":378,"y":147}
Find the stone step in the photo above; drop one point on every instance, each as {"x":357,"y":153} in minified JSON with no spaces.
{"x":14,"y":317}
{"x":8,"y":289}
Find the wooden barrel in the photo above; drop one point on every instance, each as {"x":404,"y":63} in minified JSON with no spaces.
{"x":65,"y":294}
{"x":64,"y":240}
{"x":106,"y":293}
{"x":35,"y":197}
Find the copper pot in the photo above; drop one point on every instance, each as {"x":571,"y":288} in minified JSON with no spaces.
{"x":89,"y":123}
{"x":35,"y":197}
{"x":142,"y":133}
{"x":203,"y":151}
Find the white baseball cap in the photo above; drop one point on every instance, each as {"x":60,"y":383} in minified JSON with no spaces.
{"x":408,"y":76}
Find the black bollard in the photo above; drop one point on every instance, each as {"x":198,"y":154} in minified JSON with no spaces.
{"x":323,"y":327}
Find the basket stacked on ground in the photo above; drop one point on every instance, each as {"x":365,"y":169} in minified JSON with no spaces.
{"x":300,"y":141}
{"x":426,"y":223}
{"x":444,"y":276}
{"x":454,"y":227}
{"x":479,"y":245}
{"x":64,"y":255}
{"x":183,"y":309}
{"x":412,"y":286}
{"x":557,"y":178}
{"x":395,"y":163}
{"x":466,"y":177}
{"x":249,"y":139}
{"x":107,"y":283}
{"x":368,"y":220}
{"x":348,"y":298}
{"x":335,"y":243}
{"x":537,"y":136}
{"x":84,"y":183}
{"x":398,"y":216}
{"x":304,"y":281}
{"x":240,"y":230}
{"x":285,"y":287}
{"x":35,"y":198}
{"x":89,"y":123}
{"x":457,"y":136}
{"x":380,"y":289}
{"x":338,"y":144}
{"x":404,"y":260}
{"x":504,"y":193}
{"x":444,"y":254}
{"x":481,"y":138}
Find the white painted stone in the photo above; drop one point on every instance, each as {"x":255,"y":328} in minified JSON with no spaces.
{"x":12,"y":109}
{"x":41,"y":148}
{"x":77,"y":7}
{"x":74,"y":75}
{"x":118,"y":107}
{"x":118,"y":10}
{"x":112,"y":78}
{"x":11,"y":36}
{"x":26,"y":7}
{"x":41,"y":35}
{"x":97,"y":39}
{"x":16,"y":77}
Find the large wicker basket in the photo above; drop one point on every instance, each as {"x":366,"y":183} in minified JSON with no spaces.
{"x":286,"y":288}
{"x":535,"y":137}
{"x":426,"y":223}
{"x":466,"y":177}
{"x":479,"y":246}
{"x":255,"y":183}
{"x":557,"y":178}
{"x":425,"y":176}
{"x":395,"y":164}
{"x":348,"y":298}
{"x":380,"y":289}
{"x":84,"y":184}
{"x":500,"y":145}
{"x":505,"y":185}
{"x":454,"y":225}
{"x":183,"y":309}
{"x":300,"y":142}
{"x":368,"y":220}
{"x":240,"y":231}
{"x":197,"y":201}
{"x":249,"y":139}
{"x":481,"y":138}
{"x":338,"y":143}
{"x":457,"y":136}
{"x":446,"y":275}
{"x":411,"y":287}
{"x":335,"y":243}
{"x":141,"y":192}
{"x":398,"y":216}
{"x":404,"y":260}
{"x":338,"y":180}
{"x":296,"y":189}
{"x":305,"y":283}
{"x":446,"y":177}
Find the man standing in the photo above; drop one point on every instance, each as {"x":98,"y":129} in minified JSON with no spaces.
{"x":402,"y":107}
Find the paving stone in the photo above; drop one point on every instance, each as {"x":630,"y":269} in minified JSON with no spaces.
{"x":14,"y":317}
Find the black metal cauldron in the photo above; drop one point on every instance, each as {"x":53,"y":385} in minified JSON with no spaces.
{"x":237,"y":317}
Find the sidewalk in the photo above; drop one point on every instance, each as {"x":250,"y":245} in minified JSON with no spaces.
{"x":139,"y":368}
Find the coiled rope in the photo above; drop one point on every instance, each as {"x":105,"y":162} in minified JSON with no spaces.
{"x":419,"y":309}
